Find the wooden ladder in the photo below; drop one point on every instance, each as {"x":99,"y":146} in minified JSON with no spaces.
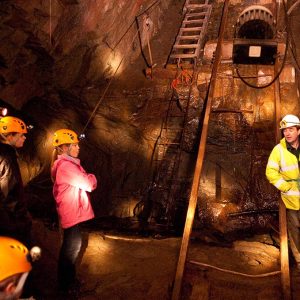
{"x":189,"y":41}
{"x":176,"y":292}
{"x":168,"y":148}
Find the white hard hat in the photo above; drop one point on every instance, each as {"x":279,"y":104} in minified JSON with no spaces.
{"x":289,"y":121}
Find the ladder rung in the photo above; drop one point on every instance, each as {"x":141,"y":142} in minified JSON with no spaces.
{"x":192,"y":7}
{"x":191,"y":46}
{"x":198,"y":5}
{"x":191,"y":29}
{"x":188,"y":37}
{"x":191,"y":55}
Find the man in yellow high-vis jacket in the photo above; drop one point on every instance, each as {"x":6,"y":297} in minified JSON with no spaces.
{"x":283,"y":172}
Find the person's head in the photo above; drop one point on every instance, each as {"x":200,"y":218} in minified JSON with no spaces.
{"x":12,"y":131}
{"x":290,"y":127}
{"x":14,"y":267}
{"x":66,"y":141}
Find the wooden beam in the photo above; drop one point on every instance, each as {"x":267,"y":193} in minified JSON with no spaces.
{"x":196,"y":180}
{"x":284,"y":251}
{"x":260,"y":42}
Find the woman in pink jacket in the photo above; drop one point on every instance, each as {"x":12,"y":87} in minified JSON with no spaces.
{"x":71,"y":187}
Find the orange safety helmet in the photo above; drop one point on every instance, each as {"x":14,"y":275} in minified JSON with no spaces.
{"x":14,"y":257}
{"x":12,"y":124}
{"x":64,"y":136}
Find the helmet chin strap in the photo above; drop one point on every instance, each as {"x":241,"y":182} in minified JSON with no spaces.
{"x":17,"y":291}
{"x":21,"y":282}
{"x":68,"y":151}
{"x":3,"y":136}
{"x":12,"y":143}
{"x":59,"y":149}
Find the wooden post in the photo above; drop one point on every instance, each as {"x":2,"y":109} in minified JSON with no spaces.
{"x":284,"y":251}
{"x":196,"y":180}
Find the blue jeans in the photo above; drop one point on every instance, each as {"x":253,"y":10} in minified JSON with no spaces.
{"x":68,"y":255}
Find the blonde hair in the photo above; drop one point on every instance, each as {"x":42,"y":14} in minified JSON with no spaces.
{"x":56,"y":151}
{"x":53,"y":159}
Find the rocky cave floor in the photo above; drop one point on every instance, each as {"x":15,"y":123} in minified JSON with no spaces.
{"x":116,"y":266}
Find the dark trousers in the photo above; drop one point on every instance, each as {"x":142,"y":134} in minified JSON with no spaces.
{"x":69,"y":252}
{"x":293,"y":224}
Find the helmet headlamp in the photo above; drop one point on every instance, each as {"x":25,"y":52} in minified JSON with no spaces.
{"x":81,"y":136}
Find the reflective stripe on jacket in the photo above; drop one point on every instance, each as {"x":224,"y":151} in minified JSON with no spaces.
{"x":70,"y":190}
{"x":283,"y":172}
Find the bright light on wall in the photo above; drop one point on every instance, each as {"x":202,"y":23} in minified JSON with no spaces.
{"x":114,"y":63}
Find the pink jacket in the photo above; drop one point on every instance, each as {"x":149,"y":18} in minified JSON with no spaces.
{"x":71,"y":184}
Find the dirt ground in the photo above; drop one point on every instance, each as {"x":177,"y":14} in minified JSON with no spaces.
{"x":129,"y":267}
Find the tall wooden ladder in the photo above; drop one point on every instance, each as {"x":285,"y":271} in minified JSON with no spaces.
{"x":189,"y":41}
{"x":168,"y":149}
{"x":176,"y":292}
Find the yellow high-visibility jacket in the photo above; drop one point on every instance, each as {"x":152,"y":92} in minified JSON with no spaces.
{"x":283,"y":172}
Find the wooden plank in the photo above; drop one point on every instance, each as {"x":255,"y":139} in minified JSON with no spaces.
{"x":191,"y":55}
{"x":284,"y":251}
{"x":200,"y":21}
{"x":186,"y":46}
{"x":254,"y":42}
{"x":188,"y":37}
{"x":193,"y":6}
{"x":196,"y":179}
{"x":191,"y":29}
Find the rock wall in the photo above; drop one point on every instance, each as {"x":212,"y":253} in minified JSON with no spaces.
{"x":56,"y":59}
{"x":60,"y":63}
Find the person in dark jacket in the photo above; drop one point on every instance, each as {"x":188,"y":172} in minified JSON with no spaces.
{"x":15,"y":220}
